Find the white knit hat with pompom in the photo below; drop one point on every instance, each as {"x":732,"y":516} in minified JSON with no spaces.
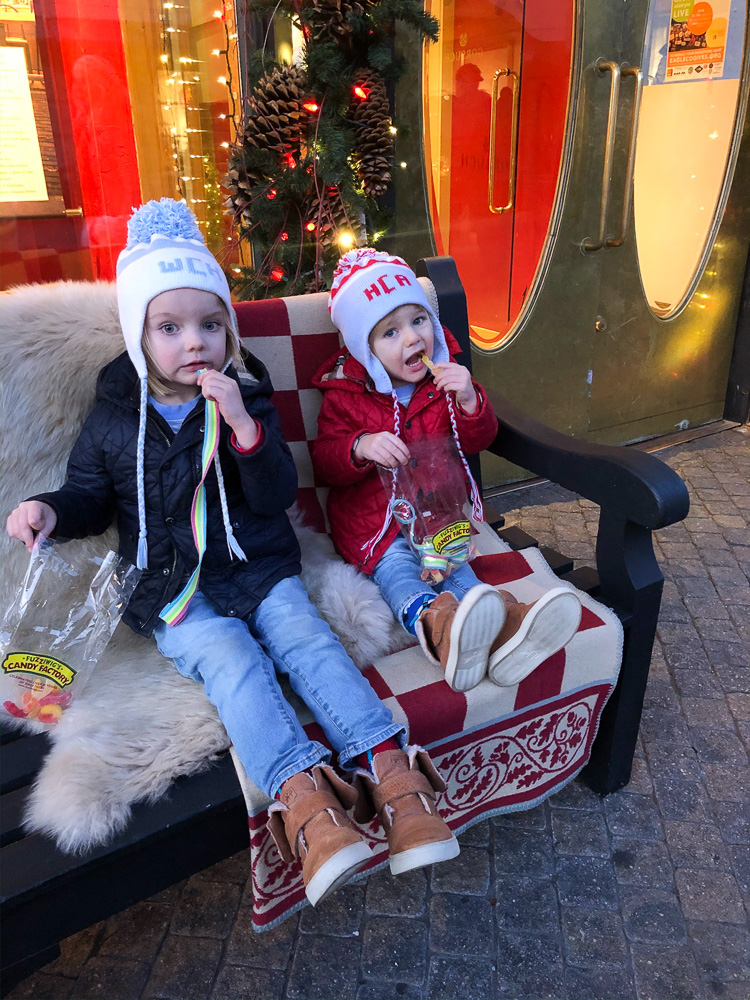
{"x":165,"y":250}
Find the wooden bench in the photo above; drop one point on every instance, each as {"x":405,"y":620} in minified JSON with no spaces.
{"x":48,"y":895}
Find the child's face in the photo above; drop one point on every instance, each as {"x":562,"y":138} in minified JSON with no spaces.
{"x":399,"y":339}
{"x":186,"y":331}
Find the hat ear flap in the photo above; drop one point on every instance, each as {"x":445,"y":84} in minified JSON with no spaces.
{"x":380,"y":377}
{"x":440,"y":353}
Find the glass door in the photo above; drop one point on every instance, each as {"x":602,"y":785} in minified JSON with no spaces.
{"x":669,"y":294}
{"x":496,"y":92}
{"x":600,"y":229}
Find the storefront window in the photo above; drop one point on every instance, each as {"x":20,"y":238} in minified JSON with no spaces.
{"x":106,"y":105}
{"x":687,"y":130}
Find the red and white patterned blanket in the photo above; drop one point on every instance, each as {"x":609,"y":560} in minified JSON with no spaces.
{"x":498,"y":749}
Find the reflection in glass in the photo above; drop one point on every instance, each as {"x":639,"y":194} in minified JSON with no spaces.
{"x":131,"y":100}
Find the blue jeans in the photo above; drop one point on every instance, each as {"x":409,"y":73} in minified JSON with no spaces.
{"x":397,"y":576}
{"x":236,"y":661}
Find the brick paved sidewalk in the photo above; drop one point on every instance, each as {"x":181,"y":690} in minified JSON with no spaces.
{"x":644,"y":894}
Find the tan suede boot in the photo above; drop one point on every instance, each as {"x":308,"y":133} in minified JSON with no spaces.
{"x":310,"y":822}
{"x":457,"y":637}
{"x":403,"y":789}
{"x":532,"y":633}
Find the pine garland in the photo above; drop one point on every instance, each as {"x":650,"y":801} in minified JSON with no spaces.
{"x":315,"y":147}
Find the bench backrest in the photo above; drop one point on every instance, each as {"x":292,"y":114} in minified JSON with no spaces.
{"x":293,"y":337}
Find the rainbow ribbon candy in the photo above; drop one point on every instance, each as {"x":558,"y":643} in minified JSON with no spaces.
{"x":176,"y":611}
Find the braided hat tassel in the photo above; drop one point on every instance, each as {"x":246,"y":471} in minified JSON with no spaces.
{"x":477,"y":510}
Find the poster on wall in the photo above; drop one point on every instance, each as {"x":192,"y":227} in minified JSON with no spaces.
{"x":21,"y":169}
{"x":697,"y":40}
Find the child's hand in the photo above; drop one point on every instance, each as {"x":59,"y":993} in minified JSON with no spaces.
{"x":382,"y":448}
{"x":450,"y":377}
{"x":225,"y":391}
{"x":31,"y":519}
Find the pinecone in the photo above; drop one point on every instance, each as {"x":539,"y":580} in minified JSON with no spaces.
{"x":329,"y":17}
{"x":373,"y":140}
{"x":275,"y":119}
{"x":328,"y":214}
{"x":321,"y":285}
{"x":274,"y":122}
{"x":238,"y":184}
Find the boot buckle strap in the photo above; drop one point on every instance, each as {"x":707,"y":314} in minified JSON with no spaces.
{"x":301,"y":813}
{"x":275,"y":827}
{"x":408,"y":783}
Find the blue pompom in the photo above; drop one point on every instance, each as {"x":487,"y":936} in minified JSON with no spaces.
{"x":166,"y":217}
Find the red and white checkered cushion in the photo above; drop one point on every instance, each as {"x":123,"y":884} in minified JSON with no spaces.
{"x":293,"y":337}
{"x":498,"y":749}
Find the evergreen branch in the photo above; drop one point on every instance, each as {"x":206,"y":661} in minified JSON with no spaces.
{"x":311,"y":165}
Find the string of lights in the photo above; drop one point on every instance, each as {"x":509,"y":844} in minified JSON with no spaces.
{"x":199,"y":134}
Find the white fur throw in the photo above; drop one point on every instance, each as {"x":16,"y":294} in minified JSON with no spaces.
{"x":138,"y":724}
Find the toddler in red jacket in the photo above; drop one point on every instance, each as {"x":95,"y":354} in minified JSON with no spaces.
{"x":378,"y":397}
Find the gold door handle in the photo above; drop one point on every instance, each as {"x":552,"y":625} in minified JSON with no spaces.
{"x":601,"y":67}
{"x":499,"y":209}
{"x":627,"y":199}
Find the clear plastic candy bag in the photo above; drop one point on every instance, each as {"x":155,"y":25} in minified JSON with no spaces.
{"x":428,"y":498}
{"x":57,"y":627}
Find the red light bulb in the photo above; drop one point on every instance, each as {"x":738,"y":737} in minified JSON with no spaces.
{"x":310,"y":227}
{"x":311,"y":106}
{"x":277,"y":274}
{"x":271,"y":194}
{"x":285,"y":237}
{"x":361,"y":92}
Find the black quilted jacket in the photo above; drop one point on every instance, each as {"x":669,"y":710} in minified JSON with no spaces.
{"x":259,"y":487}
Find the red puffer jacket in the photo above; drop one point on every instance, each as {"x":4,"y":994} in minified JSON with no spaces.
{"x":357,"y":502}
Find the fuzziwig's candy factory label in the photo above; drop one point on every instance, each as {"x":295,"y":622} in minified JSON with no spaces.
{"x":450,"y":533}
{"x":42,"y":666}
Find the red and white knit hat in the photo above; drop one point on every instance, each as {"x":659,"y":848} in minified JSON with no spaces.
{"x":367,"y":285}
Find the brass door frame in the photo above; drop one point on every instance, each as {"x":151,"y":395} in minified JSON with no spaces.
{"x":412,"y":235}
{"x":548,"y":364}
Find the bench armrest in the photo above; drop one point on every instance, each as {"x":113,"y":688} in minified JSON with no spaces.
{"x":631,"y":484}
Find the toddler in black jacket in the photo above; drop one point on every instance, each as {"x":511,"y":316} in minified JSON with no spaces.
{"x":184,"y":446}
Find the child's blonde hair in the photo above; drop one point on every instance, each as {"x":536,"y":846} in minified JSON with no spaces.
{"x":156,"y":383}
